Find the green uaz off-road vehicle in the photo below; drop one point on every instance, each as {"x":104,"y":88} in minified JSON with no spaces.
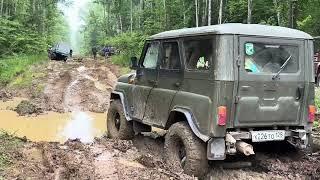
{"x":217,"y":89}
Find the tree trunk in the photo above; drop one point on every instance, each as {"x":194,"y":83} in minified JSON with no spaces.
{"x":197,"y":13}
{"x":108,"y":16}
{"x":209,"y":12}
{"x":140,"y":13}
{"x":205,"y":12}
{"x":275,"y":2}
{"x":120,"y":23}
{"x":249,"y":12}
{"x":131,"y":17}
{"x":1,"y":8}
{"x":165,"y":14}
{"x":293,"y":13}
{"x":220,"y":12}
{"x":184,"y":14}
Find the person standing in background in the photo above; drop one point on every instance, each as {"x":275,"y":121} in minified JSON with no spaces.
{"x":94,"y":52}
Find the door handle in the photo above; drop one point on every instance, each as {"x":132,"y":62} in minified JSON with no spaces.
{"x":153,"y":82}
{"x":299,"y":93}
{"x":177,"y":84}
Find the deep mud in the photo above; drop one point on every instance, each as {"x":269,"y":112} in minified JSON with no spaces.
{"x":142,"y":158}
{"x":27,"y":108}
{"x":104,"y":159}
{"x":78,"y":86}
{"x":5,"y":95}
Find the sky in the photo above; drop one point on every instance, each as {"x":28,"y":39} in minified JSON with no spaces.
{"x":74,"y":14}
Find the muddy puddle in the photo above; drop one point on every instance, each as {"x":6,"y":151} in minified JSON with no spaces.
{"x":52,"y":126}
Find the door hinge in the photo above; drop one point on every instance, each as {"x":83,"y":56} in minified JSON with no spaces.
{"x":236,"y":99}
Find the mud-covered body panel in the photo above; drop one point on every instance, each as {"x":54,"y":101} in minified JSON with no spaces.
{"x":252,"y":101}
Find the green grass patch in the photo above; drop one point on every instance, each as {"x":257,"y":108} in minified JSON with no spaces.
{"x":16,"y":70}
{"x":121,"y":60}
{"x":9,"y":146}
{"x":316,"y":124}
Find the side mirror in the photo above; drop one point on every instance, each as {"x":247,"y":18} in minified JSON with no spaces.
{"x":134,"y":63}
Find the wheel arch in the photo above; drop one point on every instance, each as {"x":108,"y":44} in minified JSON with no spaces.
{"x":179,"y":114}
{"x":116,"y":95}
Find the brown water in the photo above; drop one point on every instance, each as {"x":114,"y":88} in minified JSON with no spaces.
{"x":52,"y":126}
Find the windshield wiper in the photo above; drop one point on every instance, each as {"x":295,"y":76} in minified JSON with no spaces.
{"x":282,"y":67}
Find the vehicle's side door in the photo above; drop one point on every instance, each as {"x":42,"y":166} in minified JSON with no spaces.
{"x":169,"y":82}
{"x":146,"y":78}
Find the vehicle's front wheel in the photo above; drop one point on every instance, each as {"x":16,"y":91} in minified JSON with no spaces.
{"x":117,"y":125}
{"x":185,"y":151}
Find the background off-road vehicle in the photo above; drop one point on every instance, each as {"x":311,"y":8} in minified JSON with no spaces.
{"x":60,"y":51}
{"x":217,"y":89}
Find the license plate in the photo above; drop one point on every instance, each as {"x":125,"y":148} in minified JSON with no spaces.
{"x":269,"y":135}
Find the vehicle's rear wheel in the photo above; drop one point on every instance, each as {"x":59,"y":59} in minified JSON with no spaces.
{"x":310,"y":145}
{"x":184,"y":150}
{"x":117,"y":125}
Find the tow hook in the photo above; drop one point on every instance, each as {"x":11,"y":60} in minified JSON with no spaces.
{"x":231,"y":144}
{"x":245,"y":148}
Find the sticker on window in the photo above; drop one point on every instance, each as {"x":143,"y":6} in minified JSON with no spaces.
{"x":249,"y":49}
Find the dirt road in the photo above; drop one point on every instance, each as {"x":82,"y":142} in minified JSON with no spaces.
{"x":79,"y":86}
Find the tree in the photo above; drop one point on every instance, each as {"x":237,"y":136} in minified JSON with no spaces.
{"x":249,"y":11}
{"x":209,"y":12}
{"x":197,"y":13}
{"x":220,"y":12}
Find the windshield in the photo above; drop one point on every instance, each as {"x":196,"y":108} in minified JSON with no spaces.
{"x":269,"y":58}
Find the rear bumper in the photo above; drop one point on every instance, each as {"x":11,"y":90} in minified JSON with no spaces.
{"x":218,"y":148}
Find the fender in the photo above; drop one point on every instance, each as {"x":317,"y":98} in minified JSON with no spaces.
{"x":126,"y":114}
{"x":191,"y":120}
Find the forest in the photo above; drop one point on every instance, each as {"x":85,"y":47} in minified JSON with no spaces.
{"x":29,"y":26}
{"x":126,"y":23}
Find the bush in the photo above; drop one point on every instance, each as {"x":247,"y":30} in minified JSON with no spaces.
{"x":128,"y":45}
{"x":12,"y":67}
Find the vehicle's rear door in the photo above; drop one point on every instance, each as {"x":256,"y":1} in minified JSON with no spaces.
{"x":146,"y":78}
{"x":264,"y":99}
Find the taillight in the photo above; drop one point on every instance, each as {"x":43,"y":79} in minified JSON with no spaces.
{"x":222,"y":115}
{"x":312,"y":113}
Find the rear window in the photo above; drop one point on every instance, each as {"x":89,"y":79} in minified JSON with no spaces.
{"x":269,"y":58}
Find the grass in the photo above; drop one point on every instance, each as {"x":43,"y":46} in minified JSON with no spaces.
{"x":16,"y":71}
{"x":9,"y":145}
{"x":121,"y":60}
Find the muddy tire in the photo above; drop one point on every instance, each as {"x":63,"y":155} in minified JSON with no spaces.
{"x":310,"y":145}
{"x":117,"y":125}
{"x":184,"y":150}
{"x":318,"y":81}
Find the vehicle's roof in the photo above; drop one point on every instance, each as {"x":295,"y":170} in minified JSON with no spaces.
{"x":235,"y":28}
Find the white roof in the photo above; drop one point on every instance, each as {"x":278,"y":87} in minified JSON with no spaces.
{"x":236,"y":28}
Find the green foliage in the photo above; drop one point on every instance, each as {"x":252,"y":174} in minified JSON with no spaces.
{"x":317,"y":98}
{"x":15,"y":66}
{"x":129,"y":45}
{"x":316,"y":124}
{"x":8,"y":145}
{"x":28,"y":27}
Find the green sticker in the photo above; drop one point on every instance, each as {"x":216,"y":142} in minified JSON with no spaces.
{"x":249,"y":49}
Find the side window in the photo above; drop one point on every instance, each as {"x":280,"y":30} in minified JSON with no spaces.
{"x":151,"y":56}
{"x":171,"y":57}
{"x":198,"y":53}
